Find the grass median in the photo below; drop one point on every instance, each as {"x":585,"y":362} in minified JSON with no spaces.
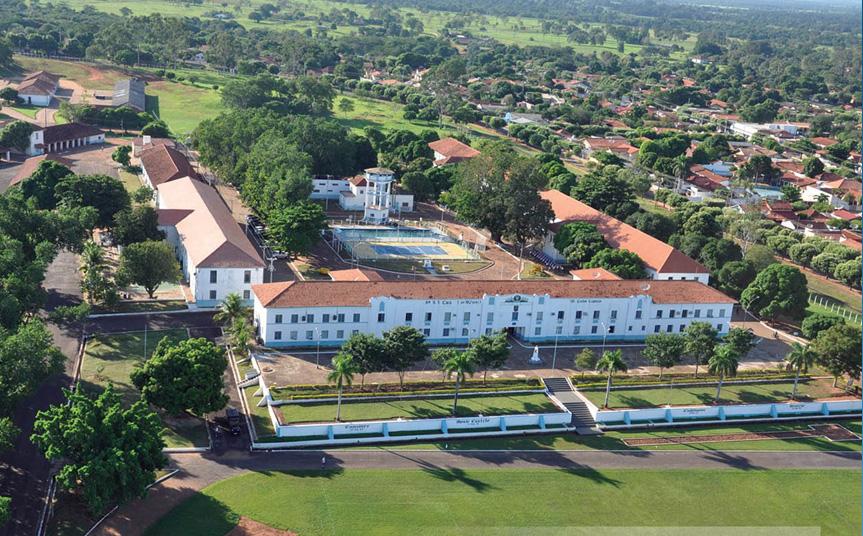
{"x":750,"y":393}
{"x":429,"y":408}
{"x":111,"y":358}
{"x":448,"y":501}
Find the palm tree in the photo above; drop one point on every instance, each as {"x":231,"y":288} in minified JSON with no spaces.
{"x":610,"y":362}
{"x":342,"y":374}
{"x":461,"y":364}
{"x":723,"y":362}
{"x":241,"y":334}
{"x":801,"y":358}
{"x":93,"y":270}
{"x":230,"y":310}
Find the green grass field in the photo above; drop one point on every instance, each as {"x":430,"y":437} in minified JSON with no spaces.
{"x":418,"y":408}
{"x":731,"y":394}
{"x":843,"y":296}
{"x":183,"y":106}
{"x":111,"y":358}
{"x":614,"y":440}
{"x":445,"y":501}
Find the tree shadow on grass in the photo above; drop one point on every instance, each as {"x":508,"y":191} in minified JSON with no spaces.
{"x":732,"y":460}
{"x":454,"y":474}
{"x":633,"y":402}
{"x":200,"y":515}
{"x":584,"y":471}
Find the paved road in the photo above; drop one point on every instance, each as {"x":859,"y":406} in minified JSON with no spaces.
{"x":23,"y":471}
{"x":198,"y":471}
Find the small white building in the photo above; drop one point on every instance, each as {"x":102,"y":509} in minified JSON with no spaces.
{"x":747,"y":130}
{"x":62,"y":138}
{"x":305,"y":313}
{"x":215,"y":255}
{"x":38,"y":89}
{"x":373,"y":193}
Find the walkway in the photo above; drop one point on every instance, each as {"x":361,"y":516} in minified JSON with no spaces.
{"x":199,"y":471}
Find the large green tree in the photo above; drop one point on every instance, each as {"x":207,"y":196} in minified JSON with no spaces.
{"x":296,"y":228}
{"x":621,"y":262}
{"x":27,"y":357}
{"x":664,"y":350}
{"x":137,"y":224}
{"x":106,"y":194}
{"x":148,"y":264}
{"x":579,"y":242}
{"x":41,"y":185}
{"x":777,"y":290}
{"x":404,"y":346}
{"x":700,"y":340}
{"x":368,"y":353}
{"x":837,"y":349}
{"x":277,"y":174}
{"x":183,"y":376}
{"x":490,"y":351}
{"x":108,"y":453}
{"x":460,"y":364}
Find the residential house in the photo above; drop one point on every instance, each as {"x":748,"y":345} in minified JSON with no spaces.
{"x":451,"y":151}
{"x":619,"y":147}
{"x":39,"y":88}
{"x":61,"y":138}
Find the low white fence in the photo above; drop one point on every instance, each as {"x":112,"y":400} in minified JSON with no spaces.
{"x":356,"y":433}
{"x":834,"y":307}
{"x":671,"y":416}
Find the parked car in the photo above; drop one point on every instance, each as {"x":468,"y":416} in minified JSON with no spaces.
{"x":233,"y":416}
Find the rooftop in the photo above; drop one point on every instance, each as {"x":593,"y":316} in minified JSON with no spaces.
{"x":130,"y":92}
{"x":656,"y":254}
{"x":359,"y":293}
{"x":452,"y":148}
{"x":164,"y":163}
{"x":210,"y":235}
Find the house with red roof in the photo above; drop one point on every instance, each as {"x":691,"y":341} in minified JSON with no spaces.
{"x":661,"y":261}
{"x":451,"y":151}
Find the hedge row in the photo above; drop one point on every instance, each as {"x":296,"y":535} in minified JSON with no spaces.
{"x":408,"y":388}
{"x":400,"y":394}
{"x":593,"y":377}
{"x":707,"y":380}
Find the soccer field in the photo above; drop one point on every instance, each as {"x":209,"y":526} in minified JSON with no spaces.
{"x":443,"y":501}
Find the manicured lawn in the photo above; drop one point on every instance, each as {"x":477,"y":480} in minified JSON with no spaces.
{"x":29,"y":111}
{"x":844,"y":296}
{"x":183,"y":106}
{"x":615,"y":440}
{"x":444,"y":501}
{"x":111,"y":358}
{"x":731,"y":394}
{"x":419,"y":408}
{"x":260,"y":416}
{"x":129,"y":180}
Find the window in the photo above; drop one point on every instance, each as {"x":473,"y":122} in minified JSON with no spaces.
{"x":310,"y":335}
{"x":247,"y":276}
{"x":293,"y":335}
{"x":614,"y":315}
{"x":710,"y":313}
{"x":246,"y":295}
{"x":539,"y":317}
{"x":698,"y":313}
{"x":426,"y":332}
{"x":356,"y":317}
{"x":428,"y":317}
{"x":559,"y":316}
{"x":381,"y":317}
{"x":354,"y":331}
{"x":325,"y":318}
{"x":684,"y":313}
{"x":537,"y":330}
{"x":295,"y":319}
{"x":491,"y":300}
{"x":541,"y":300}
{"x":340,"y":317}
{"x":213,"y":295}
{"x":611,"y":329}
{"x":278,"y":319}
{"x":409,"y":317}
{"x":515,"y":313}
{"x":488,"y":331}
{"x":214,"y":276}
{"x":638,"y":315}
{"x":721,"y":313}
{"x":656,"y":329}
{"x":577,"y":316}
{"x":446,"y":332}
{"x":489,"y":318}
{"x":277,"y":335}
{"x":672,"y":313}
{"x":668,"y":328}
{"x":447,"y":317}
{"x":682,"y":327}
{"x":596,"y":315}
{"x":466,"y":318}
{"x":340,"y":334}
{"x":310,"y":319}
{"x":659,"y":313}
{"x":593,"y":330}
{"x":464,"y":332}
{"x":381,"y":306}
{"x":558,"y":330}
{"x":577,"y":330}
{"x":720,"y":327}
{"x":325,"y":334}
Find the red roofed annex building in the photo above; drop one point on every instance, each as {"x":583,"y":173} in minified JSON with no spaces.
{"x":660,"y":260}
{"x":302,"y":313}
{"x":451,"y":151}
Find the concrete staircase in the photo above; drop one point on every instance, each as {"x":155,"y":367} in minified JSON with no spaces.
{"x":582,"y":420}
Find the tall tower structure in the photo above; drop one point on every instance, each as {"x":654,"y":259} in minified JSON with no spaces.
{"x":378,"y":201}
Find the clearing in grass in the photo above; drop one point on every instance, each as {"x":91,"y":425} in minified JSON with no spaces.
{"x":111,"y":358}
{"x":446,"y":501}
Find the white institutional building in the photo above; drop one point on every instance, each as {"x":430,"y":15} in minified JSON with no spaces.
{"x":373,"y":193}
{"x":303,"y":313}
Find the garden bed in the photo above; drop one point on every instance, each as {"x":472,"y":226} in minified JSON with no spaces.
{"x":293,"y":392}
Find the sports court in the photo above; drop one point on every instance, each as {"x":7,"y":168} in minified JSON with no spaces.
{"x":381,"y":243}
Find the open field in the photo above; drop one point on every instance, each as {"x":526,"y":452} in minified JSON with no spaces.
{"x":418,"y":408}
{"x":183,"y":106}
{"x":444,"y":501}
{"x":614,"y":440}
{"x":87,"y":75}
{"x":523,"y":31}
{"x":129,"y":180}
{"x":111,"y":358}
{"x":836,"y":291}
{"x":731,"y":394}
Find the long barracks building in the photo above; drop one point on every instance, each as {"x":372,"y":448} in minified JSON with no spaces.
{"x":303,"y":313}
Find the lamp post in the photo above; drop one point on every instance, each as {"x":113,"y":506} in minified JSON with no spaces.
{"x":554,"y":354}
{"x":318,"y":351}
{"x":604,"y":336}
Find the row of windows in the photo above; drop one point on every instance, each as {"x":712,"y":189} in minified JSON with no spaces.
{"x":247,"y":295}
{"x":684,"y":313}
{"x":326,"y":318}
{"x":310,"y":334}
{"x":214,"y":276}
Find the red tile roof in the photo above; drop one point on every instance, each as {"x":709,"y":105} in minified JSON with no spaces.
{"x":359,"y":293}
{"x":823,"y":142}
{"x":845,"y":214}
{"x":594,"y":274}
{"x":163,"y":164}
{"x":656,"y":254}
{"x":452,"y":148}
{"x":69,"y":131}
{"x":355,"y":274}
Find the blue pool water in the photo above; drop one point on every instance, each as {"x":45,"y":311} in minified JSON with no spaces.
{"x":408,"y":251}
